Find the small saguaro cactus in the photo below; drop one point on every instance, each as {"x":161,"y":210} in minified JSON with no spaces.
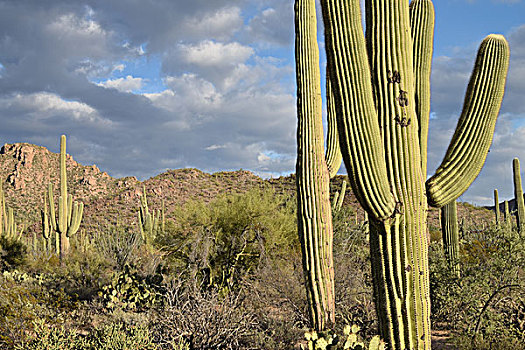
{"x":337,"y":201}
{"x":508,"y":218}
{"x":518,"y":195}
{"x":70,"y":213}
{"x":496,"y":206}
{"x":450,"y":231}
{"x":150,"y":223}
{"x":381,"y":87}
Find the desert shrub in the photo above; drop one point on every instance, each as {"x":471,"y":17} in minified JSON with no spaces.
{"x":199,"y":319}
{"x":13,"y":253}
{"x":118,"y":243}
{"x":484,"y":307}
{"x":118,"y":336}
{"x":25,"y":299}
{"x":225,"y":240}
{"x":108,"y":337}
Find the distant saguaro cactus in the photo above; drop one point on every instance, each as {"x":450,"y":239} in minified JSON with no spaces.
{"x":69,"y":213}
{"x":518,"y":195}
{"x":496,"y":206}
{"x":450,"y":231}
{"x":150,"y":223}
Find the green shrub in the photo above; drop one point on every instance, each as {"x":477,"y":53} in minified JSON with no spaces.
{"x":116,"y":336}
{"x":485,"y":308}
{"x":223,"y":241}
{"x":13,"y":253}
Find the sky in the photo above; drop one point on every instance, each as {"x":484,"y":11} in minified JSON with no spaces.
{"x":144,"y":86}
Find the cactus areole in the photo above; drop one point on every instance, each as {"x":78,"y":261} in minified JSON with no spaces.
{"x":381,"y":95}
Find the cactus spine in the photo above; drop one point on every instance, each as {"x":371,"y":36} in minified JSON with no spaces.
{"x":518,"y":195}
{"x":381,"y":93}
{"x":450,"y":231}
{"x":69,"y":212}
{"x":496,"y":206}
{"x":312,"y":176}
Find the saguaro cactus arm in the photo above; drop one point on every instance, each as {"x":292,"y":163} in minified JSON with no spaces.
{"x":473,"y":136}
{"x":357,"y":121}
{"x":334,"y":157}
{"x":312,"y":177}
{"x":422,"y":25}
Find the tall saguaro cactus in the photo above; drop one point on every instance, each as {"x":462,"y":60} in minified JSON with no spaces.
{"x":518,"y":195}
{"x":312,"y":176}
{"x":450,"y":231}
{"x":69,"y":213}
{"x":381,"y":92}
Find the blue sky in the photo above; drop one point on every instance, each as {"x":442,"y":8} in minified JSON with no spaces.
{"x":140,"y":87}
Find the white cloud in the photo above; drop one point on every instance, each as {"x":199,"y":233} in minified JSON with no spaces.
{"x":127,"y":84}
{"x":220,"y":25}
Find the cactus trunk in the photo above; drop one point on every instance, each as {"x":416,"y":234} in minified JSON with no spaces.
{"x":518,"y":195}
{"x":450,"y":231}
{"x":312,"y":176}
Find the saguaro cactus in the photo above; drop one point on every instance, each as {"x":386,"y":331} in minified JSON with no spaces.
{"x":518,"y":195}
{"x":496,"y":206}
{"x":381,"y":89}
{"x":150,"y":223}
{"x":508,"y":218}
{"x":312,"y":176}
{"x":69,"y":212}
{"x":450,"y":231}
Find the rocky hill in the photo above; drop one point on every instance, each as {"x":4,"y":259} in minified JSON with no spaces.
{"x":26,"y":170}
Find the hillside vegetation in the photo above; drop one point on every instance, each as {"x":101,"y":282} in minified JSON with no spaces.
{"x":224,"y":270}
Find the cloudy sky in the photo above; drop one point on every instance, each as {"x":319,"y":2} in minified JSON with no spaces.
{"x":144,"y":86}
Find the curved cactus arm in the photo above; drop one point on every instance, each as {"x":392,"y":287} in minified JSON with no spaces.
{"x":69,"y":210}
{"x":518,"y":194}
{"x":422,"y":25}
{"x":45,"y":220}
{"x":312,"y":178}
{"x":76,"y":218}
{"x":333,"y":155}
{"x":357,"y":120}
{"x":473,"y":136}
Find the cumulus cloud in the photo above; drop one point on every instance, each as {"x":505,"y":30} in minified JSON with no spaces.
{"x":127,"y":84}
